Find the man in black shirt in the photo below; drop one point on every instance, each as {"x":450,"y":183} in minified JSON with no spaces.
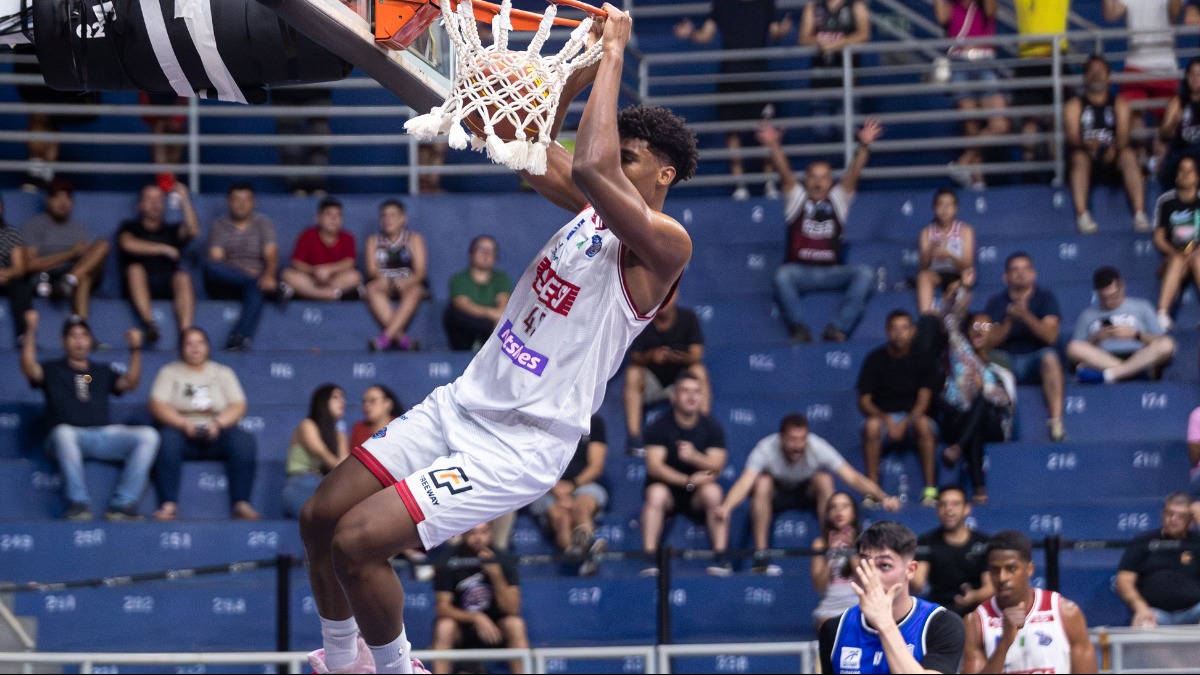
{"x":1159,"y":574}
{"x":685,"y":454}
{"x":478,"y":594}
{"x":671,"y":345}
{"x":950,"y":558}
{"x":895,"y":388}
{"x":77,"y":391}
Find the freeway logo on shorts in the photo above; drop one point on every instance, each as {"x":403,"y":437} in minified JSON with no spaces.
{"x":453,"y":479}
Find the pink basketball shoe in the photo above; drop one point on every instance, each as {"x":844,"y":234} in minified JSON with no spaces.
{"x":364,"y":663}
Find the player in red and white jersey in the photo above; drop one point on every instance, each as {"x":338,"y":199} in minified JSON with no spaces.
{"x":500,"y":436}
{"x":1023,"y":629}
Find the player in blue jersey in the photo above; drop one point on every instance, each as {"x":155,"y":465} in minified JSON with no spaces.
{"x":890,"y":631}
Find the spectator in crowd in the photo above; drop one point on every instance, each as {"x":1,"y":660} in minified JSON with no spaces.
{"x":314,"y":155}
{"x":380,"y":405}
{"x":1039,"y":21}
{"x":149,"y":250}
{"x":834,"y":560}
{"x":1119,"y":337}
{"x":685,"y":455}
{"x":794,"y":469}
{"x":1176,"y":236}
{"x":570,"y":509}
{"x":964,"y":19}
{"x":397,"y":262}
{"x":1193,"y":443}
{"x":478,"y":297}
{"x":895,"y":389}
{"x":1025,"y":326}
{"x":44,"y":154}
{"x":1151,"y":51}
{"x":317,"y":446}
{"x":1191,"y":13}
{"x":243,"y":260}
{"x":198,"y":404}
{"x":947,"y":253}
{"x":670,"y":346}
{"x":743,"y":24}
{"x":324,"y":261}
{"x":59,"y":252}
{"x":1097,"y":125}
{"x":1159,"y":573}
{"x":432,"y":154}
{"x":77,"y":393}
{"x":168,"y":152}
{"x":14,"y":282}
{"x":816,"y":212}
{"x":1180,"y":129}
{"x":830,"y":26}
{"x":478,"y":594}
{"x":950,"y":557}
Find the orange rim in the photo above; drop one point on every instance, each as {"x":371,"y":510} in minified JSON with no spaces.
{"x":529,"y":21}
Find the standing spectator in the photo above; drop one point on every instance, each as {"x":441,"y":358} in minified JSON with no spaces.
{"x":380,"y":406}
{"x":478,"y":594}
{"x":895,"y":389}
{"x":149,"y":250}
{"x":1119,"y":337}
{"x":951,"y":558}
{"x":834,"y":560}
{"x":1025,"y":325}
{"x":77,"y":393}
{"x":1038,"y":20}
{"x":315,"y":155}
{"x":816,"y":212}
{"x":1151,"y":50}
{"x":317,"y":446}
{"x":570,"y":509}
{"x":478,"y":297}
{"x":744,"y":24}
{"x":1176,"y":236}
{"x":198,"y":404}
{"x":670,"y":346}
{"x":1159,"y":574}
{"x":14,"y":282}
{"x":397,"y":262}
{"x":830,"y":26}
{"x":64,"y":258}
{"x":243,"y":260}
{"x":973,"y":19}
{"x":793,"y":469}
{"x":1180,"y":130}
{"x":1097,"y":125}
{"x":947,"y":253}
{"x":324,"y":260}
{"x":685,"y":455}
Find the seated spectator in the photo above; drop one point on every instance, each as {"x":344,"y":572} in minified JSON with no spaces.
{"x":950,"y":558}
{"x":198,"y":404}
{"x":323,"y":262}
{"x":895,"y":389}
{"x":835,"y":559}
{"x":1180,"y":129}
{"x":317,"y":446}
{"x":380,"y":406}
{"x":243,"y":259}
{"x":793,"y":469}
{"x":1159,"y":574}
{"x":1025,"y":326}
{"x":1176,"y":236}
{"x":817,"y":212}
{"x":77,"y":393}
{"x":397,"y":262}
{"x":43,"y":155}
{"x":14,"y":283}
{"x":478,"y":595}
{"x":670,"y":346}
{"x":1193,"y":444}
{"x":315,"y":155}
{"x":1151,"y":53}
{"x":947,"y":253}
{"x":64,"y":259}
{"x":1119,"y":337}
{"x":1097,"y":124}
{"x":149,"y":250}
{"x":685,"y":454}
{"x":167,"y":152}
{"x":570,"y":509}
{"x":478,"y":296}
{"x":831,"y":26}
{"x":1038,"y":21}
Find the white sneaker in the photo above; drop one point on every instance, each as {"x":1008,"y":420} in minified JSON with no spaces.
{"x":1141,"y":223}
{"x":771,"y":190}
{"x":1164,"y":320}
{"x":741,"y":194}
{"x":1086,"y":224}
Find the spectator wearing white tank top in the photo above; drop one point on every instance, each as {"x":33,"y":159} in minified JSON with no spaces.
{"x":1151,"y":56}
{"x":947,"y":253}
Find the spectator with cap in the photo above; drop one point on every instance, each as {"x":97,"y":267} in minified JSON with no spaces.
{"x":243,"y":261}
{"x":478,"y":297}
{"x":323,"y":265}
{"x":1158,"y":577}
{"x":64,"y":259}
{"x":1119,"y":337}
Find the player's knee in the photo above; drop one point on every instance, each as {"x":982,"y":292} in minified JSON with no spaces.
{"x":316,"y":523}
{"x":351,"y":547}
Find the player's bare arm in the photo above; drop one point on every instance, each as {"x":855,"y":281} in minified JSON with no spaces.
{"x":1083,"y":656}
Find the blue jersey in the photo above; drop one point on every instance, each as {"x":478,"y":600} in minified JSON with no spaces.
{"x":857,"y":648}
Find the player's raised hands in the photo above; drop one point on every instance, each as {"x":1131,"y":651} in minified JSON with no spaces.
{"x":617,"y":28}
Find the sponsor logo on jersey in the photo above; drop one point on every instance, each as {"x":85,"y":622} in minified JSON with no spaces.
{"x":556,"y":293}
{"x":379,"y":434}
{"x":851,"y":658}
{"x":597,"y":242}
{"x":518,"y":353}
{"x":1044,"y":639}
{"x":453,"y":479}
{"x":429,"y":491}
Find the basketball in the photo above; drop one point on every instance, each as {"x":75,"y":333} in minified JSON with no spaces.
{"x":514,"y":83}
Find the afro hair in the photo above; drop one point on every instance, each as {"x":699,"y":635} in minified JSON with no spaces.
{"x":667,"y":135}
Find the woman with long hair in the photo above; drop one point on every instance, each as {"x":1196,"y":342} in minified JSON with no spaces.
{"x":380,"y":406}
{"x":833,"y":567}
{"x":317,"y":446}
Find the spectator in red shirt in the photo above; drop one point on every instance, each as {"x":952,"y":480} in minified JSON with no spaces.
{"x":324,"y":262}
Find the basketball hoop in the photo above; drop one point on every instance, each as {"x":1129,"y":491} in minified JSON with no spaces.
{"x":509,"y":98}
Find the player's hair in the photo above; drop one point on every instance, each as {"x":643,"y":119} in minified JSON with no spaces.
{"x":318,"y":412}
{"x":238,"y":187}
{"x":1105,"y":276}
{"x":1178,"y":497}
{"x":329,"y":203}
{"x":898,"y":314}
{"x":398,"y":408}
{"x":952,"y":488}
{"x":667,"y":135}
{"x":1010,"y":540}
{"x":392,"y":202}
{"x":1185,"y":89}
{"x":888,"y":534}
{"x":793,"y":421}
{"x":1096,"y":58}
{"x":1015,"y":257}
{"x":945,"y":191}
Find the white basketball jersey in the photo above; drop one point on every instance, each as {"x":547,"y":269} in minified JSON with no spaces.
{"x":1041,"y":645}
{"x":564,"y":333}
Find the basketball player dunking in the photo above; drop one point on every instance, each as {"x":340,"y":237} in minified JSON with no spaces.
{"x":1024,"y":629}
{"x":500,"y":436}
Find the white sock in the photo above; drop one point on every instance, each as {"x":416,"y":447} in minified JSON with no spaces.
{"x":341,"y":642}
{"x":1108,"y":376}
{"x":394,"y":656}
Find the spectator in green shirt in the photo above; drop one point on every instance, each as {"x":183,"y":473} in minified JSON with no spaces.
{"x":478,"y":296}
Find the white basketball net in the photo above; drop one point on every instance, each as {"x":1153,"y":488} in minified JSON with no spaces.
{"x":482,"y":85}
